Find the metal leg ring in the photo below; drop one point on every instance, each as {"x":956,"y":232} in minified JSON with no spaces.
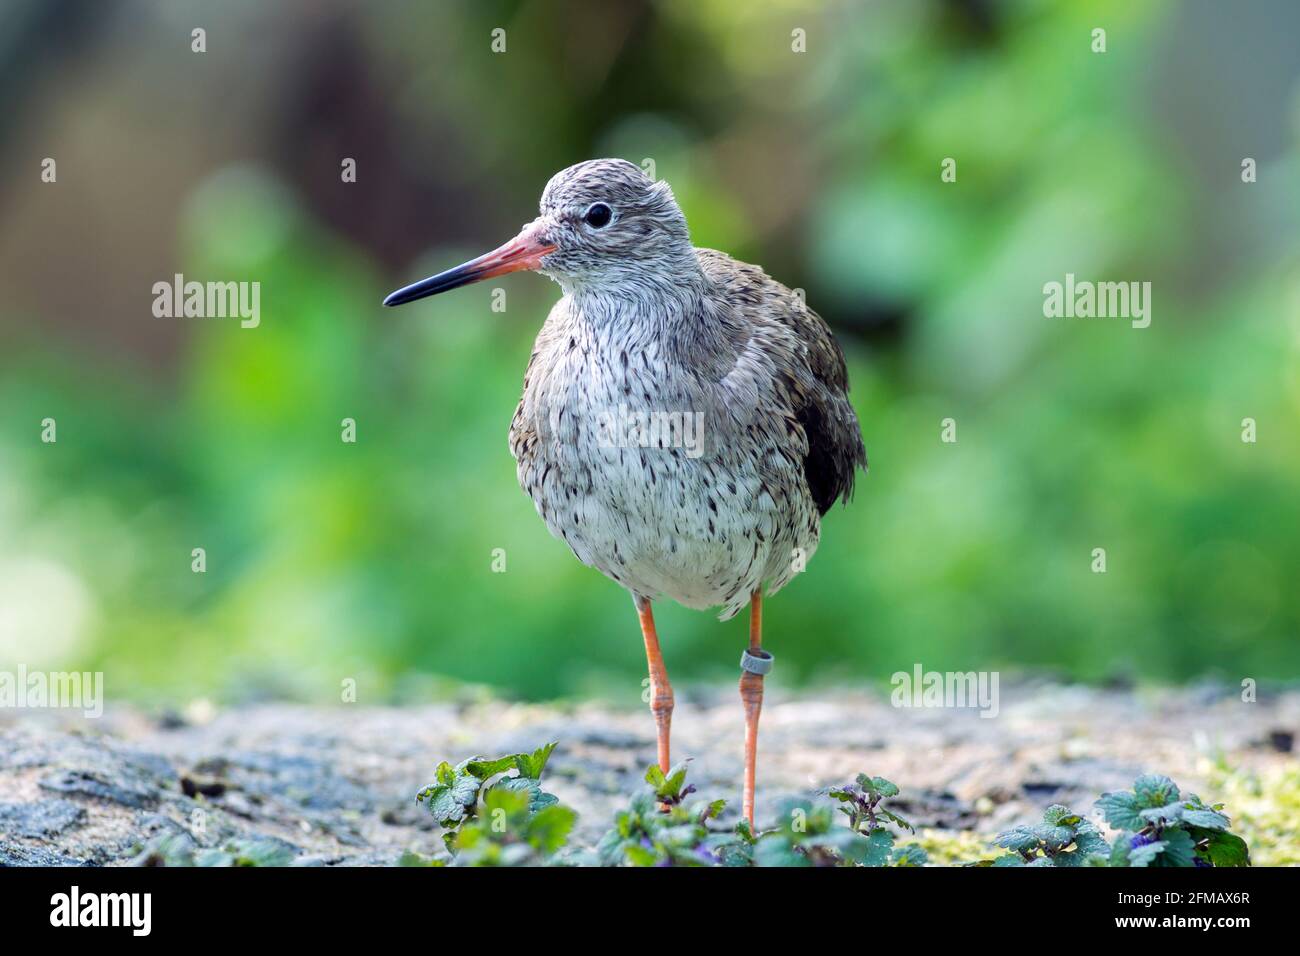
{"x":756,"y":662}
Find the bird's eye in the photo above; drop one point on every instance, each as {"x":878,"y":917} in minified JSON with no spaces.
{"x":598,"y":215}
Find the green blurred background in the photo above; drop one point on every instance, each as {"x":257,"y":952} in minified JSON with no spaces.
{"x":373,"y":560}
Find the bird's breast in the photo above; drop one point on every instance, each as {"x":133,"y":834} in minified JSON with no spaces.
{"x":635,"y":463}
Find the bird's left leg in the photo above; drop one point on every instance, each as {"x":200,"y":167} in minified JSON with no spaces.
{"x":661,"y":692}
{"x":754,"y":663}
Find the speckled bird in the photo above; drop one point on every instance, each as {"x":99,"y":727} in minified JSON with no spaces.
{"x":684,"y":423}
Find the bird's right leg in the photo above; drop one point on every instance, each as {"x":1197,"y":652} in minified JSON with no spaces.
{"x":661,"y":692}
{"x":754,"y":663}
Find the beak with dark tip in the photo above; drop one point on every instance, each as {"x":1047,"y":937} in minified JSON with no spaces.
{"x":524,"y":251}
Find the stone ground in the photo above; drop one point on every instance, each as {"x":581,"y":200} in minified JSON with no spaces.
{"x":336,"y":784}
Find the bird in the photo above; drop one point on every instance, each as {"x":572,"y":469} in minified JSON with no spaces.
{"x":684,"y":424}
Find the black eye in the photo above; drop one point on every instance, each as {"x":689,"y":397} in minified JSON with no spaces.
{"x":598,"y":216}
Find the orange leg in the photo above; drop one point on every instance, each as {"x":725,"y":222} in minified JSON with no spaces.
{"x":661,"y":692}
{"x":751,"y":693}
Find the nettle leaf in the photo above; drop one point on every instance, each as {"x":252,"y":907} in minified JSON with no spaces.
{"x":1058,"y":815}
{"x":911,"y":855}
{"x":1145,"y":854}
{"x":1020,"y":839}
{"x":1119,"y":852}
{"x":734,"y":854}
{"x":639,"y":855}
{"x":895,"y":818}
{"x":482,"y":768}
{"x":531,"y":765}
{"x":1205,"y":818}
{"x":1087,"y":842}
{"x":549,"y":828}
{"x":537,"y":797}
{"x":843,"y":794}
{"x":877,"y":786}
{"x":1009,"y":859}
{"x":445,"y":807}
{"x":513,"y":802}
{"x":1226,"y":849}
{"x":1054,"y":837}
{"x":1179,"y":850}
{"x":1120,"y":809}
{"x":870,"y":850}
{"x":1169,"y":813}
{"x":1154,"y":790}
{"x":676,"y":779}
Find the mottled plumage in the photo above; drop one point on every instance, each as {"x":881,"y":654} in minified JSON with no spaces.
{"x":684,"y":423}
{"x":676,"y":330}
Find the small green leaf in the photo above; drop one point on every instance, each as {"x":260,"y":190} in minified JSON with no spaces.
{"x":1058,"y":815}
{"x":1169,"y":813}
{"x":871,"y":850}
{"x":1146,"y":854}
{"x":549,"y":828}
{"x":895,"y":818}
{"x":638,"y":855}
{"x":1205,"y":818}
{"x":676,"y":779}
{"x":1180,"y":849}
{"x":531,"y":765}
{"x":1020,"y":839}
{"x":1120,"y":809}
{"x":880,"y":787}
{"x":482,"y":768}
{"x":444,"y":807}
{"x":910,"y":855}
{"x":1227,"y":849}
{"x":1154,"y":790}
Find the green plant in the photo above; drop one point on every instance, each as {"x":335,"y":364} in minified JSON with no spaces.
{"x":807,"y":835}
{"x":1159,"y":827}
{"x":497,"y":821}
{"x":1063,"y":839}
{"x":179,"y":850}
{"x":660,"y":828}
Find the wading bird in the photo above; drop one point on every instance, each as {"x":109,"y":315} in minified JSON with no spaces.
{"x":652,"y":330}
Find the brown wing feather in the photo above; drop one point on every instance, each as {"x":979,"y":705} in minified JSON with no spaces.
{"x":812,"y":374}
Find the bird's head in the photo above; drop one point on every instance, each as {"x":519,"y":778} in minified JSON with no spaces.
{"x":604,"y":225}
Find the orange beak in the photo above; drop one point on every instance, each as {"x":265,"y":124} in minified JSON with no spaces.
{"x":524,"y":251}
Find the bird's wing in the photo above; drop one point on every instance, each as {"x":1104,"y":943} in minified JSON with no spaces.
{"x":810,"y":372}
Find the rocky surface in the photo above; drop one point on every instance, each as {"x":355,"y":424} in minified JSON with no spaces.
{"x":335,"y":785}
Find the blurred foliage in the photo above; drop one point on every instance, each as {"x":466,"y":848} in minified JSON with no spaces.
{"x":374,"y":560}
